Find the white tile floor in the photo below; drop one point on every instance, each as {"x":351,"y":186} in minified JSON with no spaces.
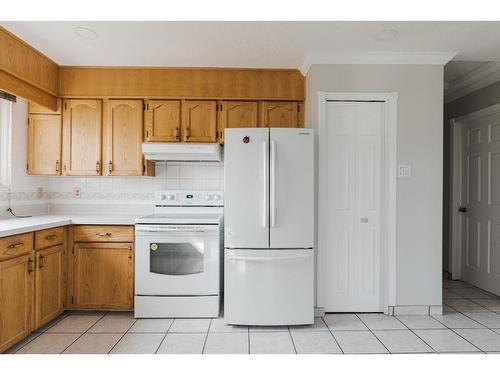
{"x":470,"y":324}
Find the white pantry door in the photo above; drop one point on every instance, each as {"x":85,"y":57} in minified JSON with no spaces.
{"x":481,"y":202}
{"x":349,"y":256}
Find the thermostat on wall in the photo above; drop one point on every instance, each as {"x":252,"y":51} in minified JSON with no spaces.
{"x":404,"y":170}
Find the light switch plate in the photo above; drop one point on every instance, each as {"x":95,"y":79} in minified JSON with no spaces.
{"x":404,"y":170}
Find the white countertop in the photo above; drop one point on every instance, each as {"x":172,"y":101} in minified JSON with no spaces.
{"x":9,"y":227}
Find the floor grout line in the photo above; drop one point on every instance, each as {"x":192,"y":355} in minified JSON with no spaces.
{"x":66,"y":348}
{"x":206,"y":337}
{"x":164,"y":337}
{"x":291,"y":338}
{"x":122,"y":336}
{"x":333,"y":336}
{"x":366,"y":325}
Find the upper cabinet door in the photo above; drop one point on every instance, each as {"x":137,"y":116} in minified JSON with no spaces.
{"x":163,"y":120}
{"x":199,"y":121}
{"x":279,"y":114}
{"x":238,"y":115}
{"x":44,"y":144}
{"x":82,"y":123}
{"x":123,"y":137}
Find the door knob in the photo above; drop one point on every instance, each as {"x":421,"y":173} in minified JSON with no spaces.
{"x":463,"y":209}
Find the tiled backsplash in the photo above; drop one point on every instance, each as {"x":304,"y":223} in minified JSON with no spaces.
{"x":169,"y":176}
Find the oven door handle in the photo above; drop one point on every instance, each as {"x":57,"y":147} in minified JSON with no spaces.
{"x":190,"y":229}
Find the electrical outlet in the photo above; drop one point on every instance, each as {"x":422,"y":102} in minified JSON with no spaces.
{"x":39,"y":192}
{"x":404,"y":170}
{"x":77,"y":192}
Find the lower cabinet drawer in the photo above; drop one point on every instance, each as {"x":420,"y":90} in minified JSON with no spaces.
{"x":49,"y":237}
{"x":103,"y":233}
{"x":16,"y":245}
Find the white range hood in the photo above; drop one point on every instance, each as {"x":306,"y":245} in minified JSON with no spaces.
{"x":160,"y":151}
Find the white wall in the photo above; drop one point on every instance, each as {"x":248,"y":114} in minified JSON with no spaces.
{"x":420,"y":143}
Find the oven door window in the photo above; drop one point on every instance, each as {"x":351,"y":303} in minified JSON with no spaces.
{"x":182,"y":258}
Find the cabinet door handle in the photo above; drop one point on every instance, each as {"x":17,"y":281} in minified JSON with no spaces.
{"x":98,"y":166}
{"x":51,"y":237}
{"x":110,"y":166}
{"x":41,"y":261}
{"x":15,"y":245}
{"x":57,"y":165}
{"x":30,"y":265}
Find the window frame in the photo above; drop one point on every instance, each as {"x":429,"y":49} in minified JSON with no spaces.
{"x":5,"y":144}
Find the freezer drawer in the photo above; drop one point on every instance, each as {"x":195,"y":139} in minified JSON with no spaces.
{"x":269,"y":287}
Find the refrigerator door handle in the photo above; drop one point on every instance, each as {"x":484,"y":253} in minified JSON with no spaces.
{"x":265,"y":210}
{"x":265,"y":259}
{"x":273,"y":184}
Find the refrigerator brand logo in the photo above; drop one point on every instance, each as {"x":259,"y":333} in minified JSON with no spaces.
{"x":246,"y":139}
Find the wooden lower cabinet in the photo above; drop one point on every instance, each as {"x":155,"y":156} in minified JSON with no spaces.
{"x":49,"y":284}
{"x":103,"y":276}
{"x":16,"y":299}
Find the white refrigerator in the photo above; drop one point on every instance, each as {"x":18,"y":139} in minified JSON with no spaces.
{"x":269,"y":226}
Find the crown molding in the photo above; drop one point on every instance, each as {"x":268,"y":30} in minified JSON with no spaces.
{"x":389,"y":58}
{"x":476,"y":79}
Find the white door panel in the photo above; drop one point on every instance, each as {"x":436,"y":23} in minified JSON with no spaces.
{"x":481,"y":191}
{"x":246,"y":198}
{"x":291,"y":188}
{"x":349,"y":259}
{"x":269,"y":287}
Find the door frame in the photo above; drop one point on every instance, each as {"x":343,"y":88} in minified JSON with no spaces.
{"x":389,"y":183}
{"x":456,"y":193}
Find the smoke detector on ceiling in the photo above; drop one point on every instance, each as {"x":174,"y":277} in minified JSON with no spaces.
{"x":387,"y":34}
{"x":85,"y":33}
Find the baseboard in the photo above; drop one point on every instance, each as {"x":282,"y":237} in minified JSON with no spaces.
{"x":319,"y":312}
{"x":415,"y":310}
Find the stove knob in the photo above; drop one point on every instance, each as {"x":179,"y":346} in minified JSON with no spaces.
{"x":170,"y":197}
{"x":161,"y":197}
{"x":216,"y":197}
{"x":208,"y":197}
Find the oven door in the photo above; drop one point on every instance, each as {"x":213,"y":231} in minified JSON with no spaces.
{"x":177,"y":260}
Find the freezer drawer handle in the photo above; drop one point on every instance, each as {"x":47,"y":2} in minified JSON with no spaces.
{"x":265,"y":259}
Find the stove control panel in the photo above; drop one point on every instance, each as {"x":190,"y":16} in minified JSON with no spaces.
{"x":189,"y":198}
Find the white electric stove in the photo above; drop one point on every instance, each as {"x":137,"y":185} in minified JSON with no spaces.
{"x":178,"y":253}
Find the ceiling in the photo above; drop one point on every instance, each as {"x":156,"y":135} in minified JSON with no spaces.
{"x":253,"y":44}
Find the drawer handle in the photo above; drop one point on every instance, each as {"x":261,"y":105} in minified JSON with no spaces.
{"x":15,"y":245}
{"x":107,"y":234}
{"x":51,"y":237}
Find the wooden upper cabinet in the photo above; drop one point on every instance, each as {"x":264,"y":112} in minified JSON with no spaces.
{"x":49,"y":284}
{"x":16,"y":299}
{"x":279,"y":114}
{"x":44,"y":144}
{"x":199,"y":121}
{"x":104,"y":275}
{"x":82,"y":127}
{"x":162,"y":120}
{"x":238,"y":115}
{"x":123,"y":137}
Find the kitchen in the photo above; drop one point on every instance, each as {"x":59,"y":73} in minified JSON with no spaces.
{"x":154,"y":206}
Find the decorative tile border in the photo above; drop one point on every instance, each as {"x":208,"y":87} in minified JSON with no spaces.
{"x":100,"y":196}
{"x":22,"y":196}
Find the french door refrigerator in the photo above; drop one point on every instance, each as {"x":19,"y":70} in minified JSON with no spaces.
{"x":269,"y":226}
